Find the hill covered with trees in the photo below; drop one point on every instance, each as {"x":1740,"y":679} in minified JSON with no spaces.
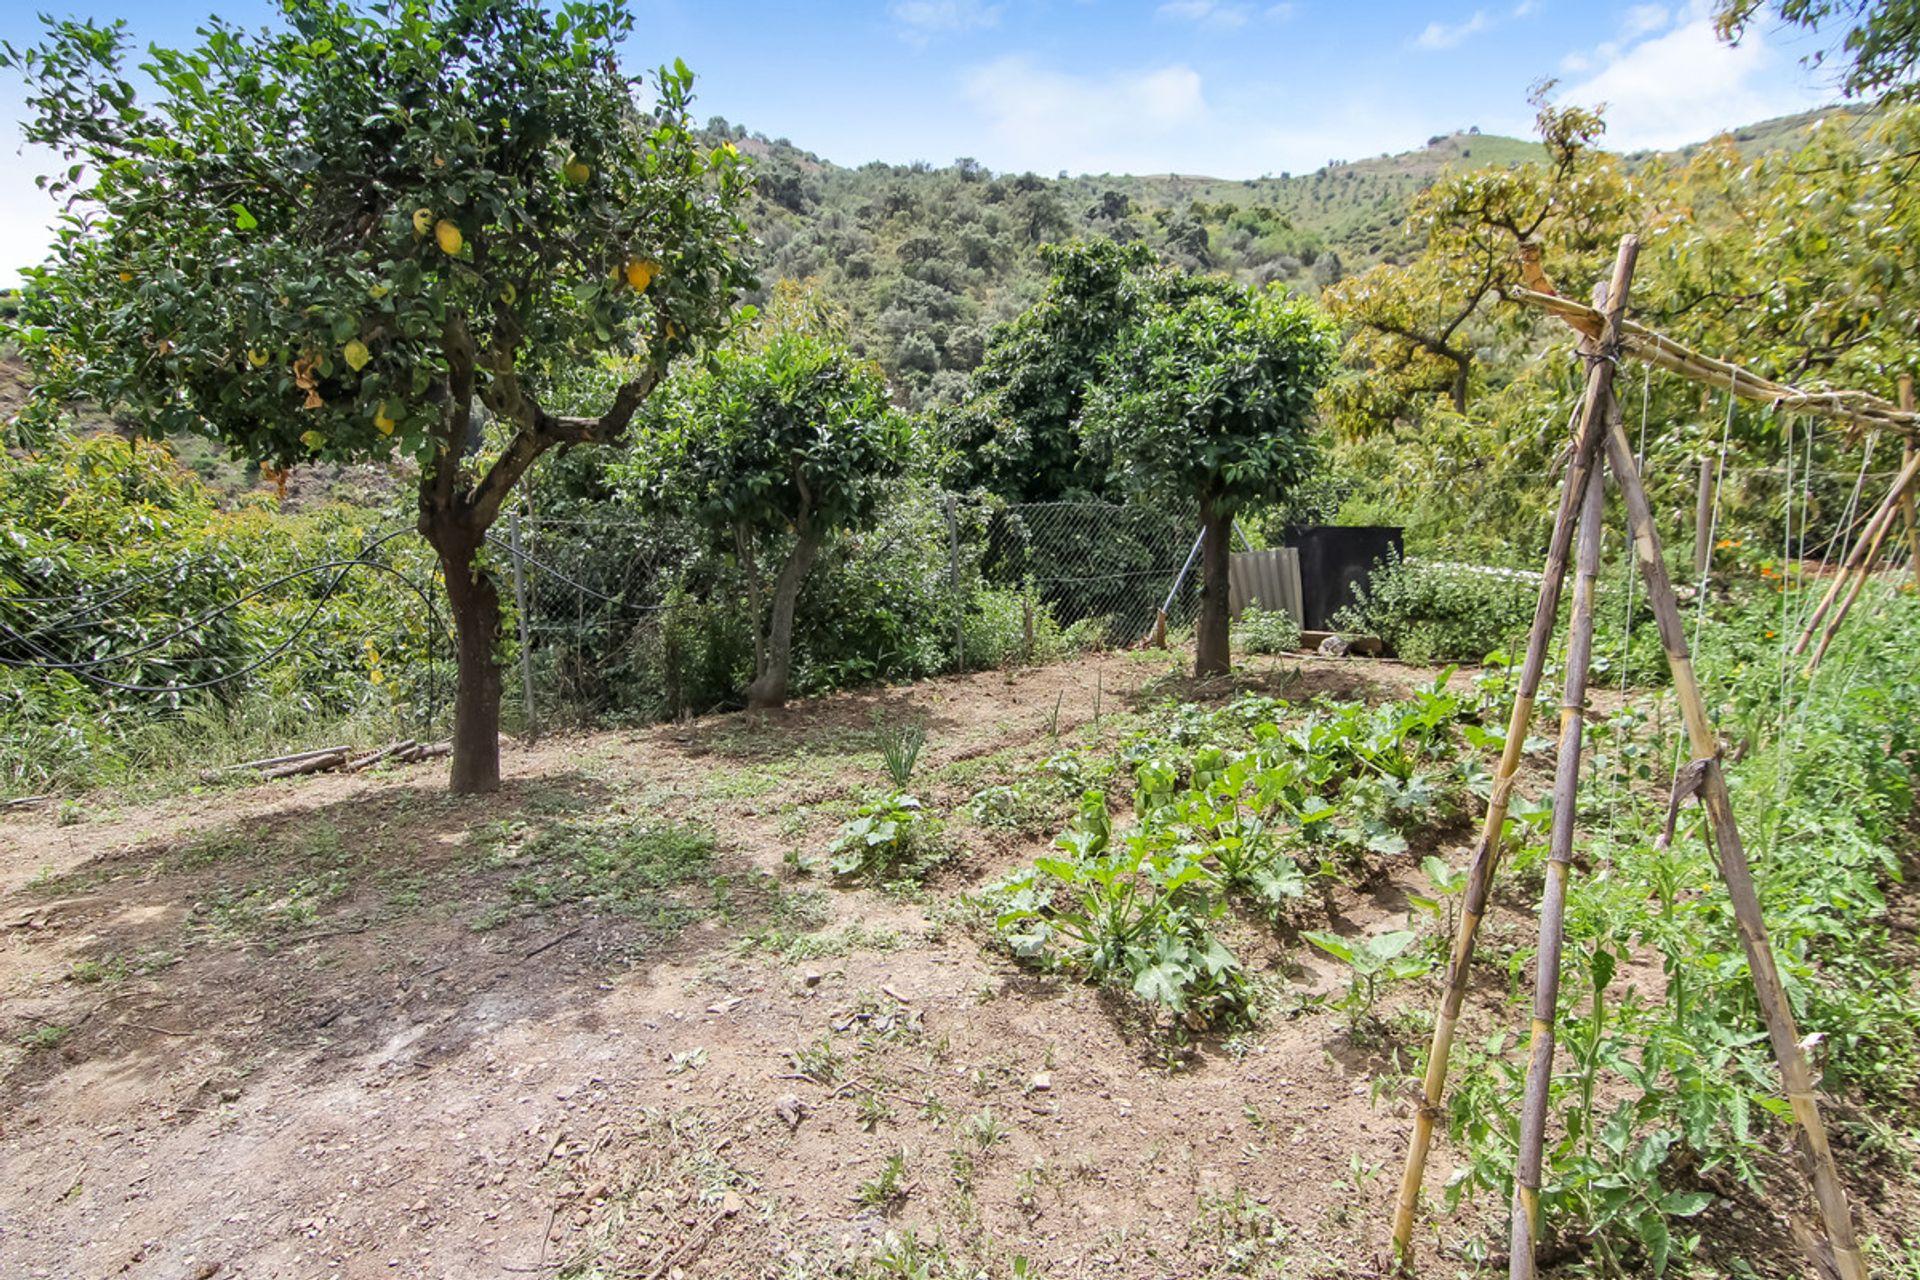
{"x":925,"y":259}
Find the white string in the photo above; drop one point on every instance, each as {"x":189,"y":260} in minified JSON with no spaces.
{"x":1713,"y":521}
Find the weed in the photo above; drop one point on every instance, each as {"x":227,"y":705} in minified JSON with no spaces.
{"x":686,"y":1060}
{"x":888,"y":1187}
{"x":46,"y":1036}
{"x":90,"y":972}
{"x":818,"y":1062}
{"x":985,"y":1128}
{"x":900,"y":749}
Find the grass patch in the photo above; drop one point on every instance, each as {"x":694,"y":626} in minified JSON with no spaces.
{"x":48,"y":1036}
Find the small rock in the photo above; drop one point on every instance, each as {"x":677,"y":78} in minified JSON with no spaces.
{"x":1334,"y":646}
{"x":791,"y":1110}
{"x":1041,"y":1082}
{"x":813,"y":977}
{"x":731,"y":1203}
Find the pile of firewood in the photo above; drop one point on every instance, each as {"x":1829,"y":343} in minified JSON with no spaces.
{"x":340,"y":759}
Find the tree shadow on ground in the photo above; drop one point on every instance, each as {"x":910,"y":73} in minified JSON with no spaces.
{"x":849,"y":724}
{"x":398,"y":924}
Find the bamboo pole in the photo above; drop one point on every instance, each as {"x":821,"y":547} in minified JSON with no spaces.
{"x":1816,"y":1157}
{"x":1857,"y":408}
{"x":1906,"y":499}
{"x":1553,"y":906}
{"x":1859,"y":581}
{"x":1486,"y":854}
{"x":1859,"y":560}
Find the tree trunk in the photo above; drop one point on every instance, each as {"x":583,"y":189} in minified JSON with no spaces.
{"x":769,"y":687}
{"x":474,"y":603}
{"x":1211,"y":655}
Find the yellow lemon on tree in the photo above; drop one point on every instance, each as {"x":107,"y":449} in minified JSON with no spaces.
{"x":257,"y":358}
{"x":422,"y":222}
{"x":312,"y":439}
{"x":640,"y":273}
{"x":357,"y":355}
{"x":384,"y":422}
{"x":448,"y":237}
{"x":577,"y":170}
{"x":126,"y":277}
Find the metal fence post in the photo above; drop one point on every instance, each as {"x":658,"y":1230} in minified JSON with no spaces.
{"x":520,"y":609}
{"x":953,"y":561}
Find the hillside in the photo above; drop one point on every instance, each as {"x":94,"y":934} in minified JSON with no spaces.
{"x":925,"y":260}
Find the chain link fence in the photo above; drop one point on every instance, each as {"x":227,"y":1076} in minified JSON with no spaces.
{"x":621,"y":616}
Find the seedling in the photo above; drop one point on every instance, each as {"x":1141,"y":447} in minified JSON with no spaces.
{"x":887,"y":1187}
{"x":1372,"y":962}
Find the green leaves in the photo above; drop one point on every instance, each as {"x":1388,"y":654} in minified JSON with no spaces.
{"x":1210,"y":396}
{"x":365,"y":176}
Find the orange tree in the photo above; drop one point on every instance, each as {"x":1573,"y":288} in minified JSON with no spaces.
{"x":1210,"y":398}
{"x":380,"y":231}
{"x":779,"y":441}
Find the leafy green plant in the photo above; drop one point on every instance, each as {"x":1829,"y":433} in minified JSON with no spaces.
{"x":1127,"y":912}
{"x":1372,"y":962}
{"x":1429,"y":612}
{"x":886,"y":837}
{"x":1267,"y":631}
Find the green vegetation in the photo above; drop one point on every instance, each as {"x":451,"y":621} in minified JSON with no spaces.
{"x":360,"y":227}
{"x":777,"y":443}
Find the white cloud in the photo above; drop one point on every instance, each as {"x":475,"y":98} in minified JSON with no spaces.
{"x":1207,"y":13}
{"x":1283,"y":12}
{"x":1116,"y":122}
{"x":920,"y":19}
{"x":1644,"y":19}
{"x":1443,"y":35}
{"x":1526,"y":8}
{"x":1684,"y":83}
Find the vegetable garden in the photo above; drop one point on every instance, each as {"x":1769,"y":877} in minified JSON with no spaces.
{"x":895,"y":863}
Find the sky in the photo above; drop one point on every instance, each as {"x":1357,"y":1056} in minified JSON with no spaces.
{"x":1226,"y":88}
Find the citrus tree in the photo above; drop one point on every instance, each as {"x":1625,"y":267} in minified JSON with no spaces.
{"x":1211,"y":399}
{"x":377,"y":232}
{"x":774,"y":444}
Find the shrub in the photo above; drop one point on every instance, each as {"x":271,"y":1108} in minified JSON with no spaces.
{"x":1430,"y":612}
{"x":1267,"y":631}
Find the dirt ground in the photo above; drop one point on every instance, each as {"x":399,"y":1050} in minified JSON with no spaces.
{"x":348,"y":1026}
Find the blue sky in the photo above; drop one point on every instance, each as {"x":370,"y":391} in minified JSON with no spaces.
{"x":1231,"y":88}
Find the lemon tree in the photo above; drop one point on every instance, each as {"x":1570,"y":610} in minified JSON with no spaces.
{"x":377,"y":232}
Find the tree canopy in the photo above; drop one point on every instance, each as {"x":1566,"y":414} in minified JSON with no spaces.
{"x":336,"y":238}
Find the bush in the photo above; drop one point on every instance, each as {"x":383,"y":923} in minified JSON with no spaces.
{"x":1431,"y":612}
{"x":1267,"y":631}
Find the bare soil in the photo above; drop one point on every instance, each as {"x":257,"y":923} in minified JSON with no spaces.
{"x":337,"y":1027}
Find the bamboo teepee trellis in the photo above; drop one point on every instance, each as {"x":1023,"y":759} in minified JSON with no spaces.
{"x":1606,"y":336}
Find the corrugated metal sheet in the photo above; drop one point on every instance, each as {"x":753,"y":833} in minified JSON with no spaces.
{"x":1270,"y":579}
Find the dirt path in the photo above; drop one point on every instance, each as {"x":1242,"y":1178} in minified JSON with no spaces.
{"x":348,"y":1027}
